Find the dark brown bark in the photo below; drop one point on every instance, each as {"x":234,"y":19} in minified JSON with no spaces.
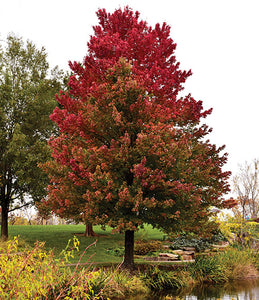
{"x":128,"y":262}
{"x":4,"y":223}
{"x":89,"y":230}
{"x":5,"y":197}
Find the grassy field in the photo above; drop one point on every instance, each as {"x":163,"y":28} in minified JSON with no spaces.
{"x":56,"y":237}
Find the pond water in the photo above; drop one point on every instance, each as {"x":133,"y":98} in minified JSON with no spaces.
{"x":238,"y":290}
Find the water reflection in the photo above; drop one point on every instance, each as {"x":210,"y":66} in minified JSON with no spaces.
{"x":238,"y":290}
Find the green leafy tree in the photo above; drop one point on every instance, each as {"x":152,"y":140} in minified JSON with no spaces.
{"x":27,"y":98}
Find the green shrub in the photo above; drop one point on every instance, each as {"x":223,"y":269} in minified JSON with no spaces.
{"x":198,"y":243}
{"x":141,"y":247}
{"x":182,"y":241}
{"x":144,"y":247}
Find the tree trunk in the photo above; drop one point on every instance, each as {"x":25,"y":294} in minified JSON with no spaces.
{"x":89,"y":230}
{"x":128,"y":262}
{"x":4,"y":223}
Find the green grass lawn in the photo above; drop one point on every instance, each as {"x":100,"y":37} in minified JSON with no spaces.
{"x":56,"y":237}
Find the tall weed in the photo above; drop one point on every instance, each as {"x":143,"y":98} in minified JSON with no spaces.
{"x":208,"y":269}
{"x":222,"y":267}
{"x":36,"y":274}
{"x":119,"y":283}
{"x":239,"y":263}
{"x":157,"y":279}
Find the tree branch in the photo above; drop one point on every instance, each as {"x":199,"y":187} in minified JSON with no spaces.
{"x":19,"y":207}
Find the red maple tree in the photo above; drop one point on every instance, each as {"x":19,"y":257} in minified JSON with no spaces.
{"x":130,"y":149}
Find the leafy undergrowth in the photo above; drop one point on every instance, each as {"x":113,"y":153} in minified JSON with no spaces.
{"x":36,"y":274}
{"x":229,"y":265}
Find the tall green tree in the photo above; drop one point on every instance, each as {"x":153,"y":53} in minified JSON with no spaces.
{"x":130,"y":149}
{"x":27,"y":97}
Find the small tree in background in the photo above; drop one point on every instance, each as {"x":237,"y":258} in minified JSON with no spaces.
{"x":130,"y":150}
{"x":26,"y":100}
{"x":246,"y":185}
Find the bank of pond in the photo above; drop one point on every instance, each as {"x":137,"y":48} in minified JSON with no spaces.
{"x":36,"y":274}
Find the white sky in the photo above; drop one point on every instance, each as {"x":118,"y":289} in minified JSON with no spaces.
{"x":217,"y":39}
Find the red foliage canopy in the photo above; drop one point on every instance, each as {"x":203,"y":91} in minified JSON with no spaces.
{"x":230,"y":203}
{"x":130,"y":150}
